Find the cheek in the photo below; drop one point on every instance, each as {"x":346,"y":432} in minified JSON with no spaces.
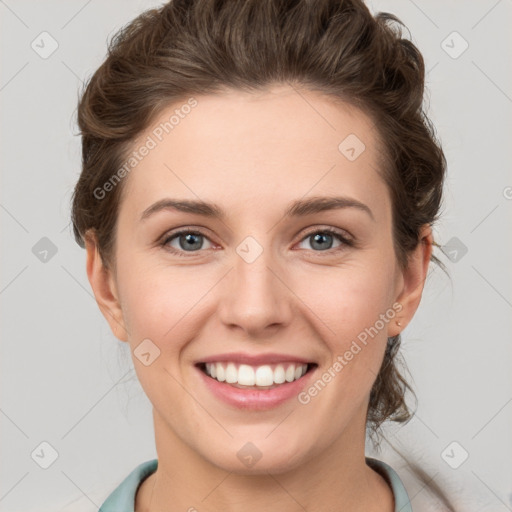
{"x":355,"y":307}
{"x":350,"y":306}
{"x":164,"y":303}
{"x":351,"y":301}
{"x":161,"y":307}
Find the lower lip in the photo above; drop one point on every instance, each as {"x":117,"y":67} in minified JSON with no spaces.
{"x":254,"y":399}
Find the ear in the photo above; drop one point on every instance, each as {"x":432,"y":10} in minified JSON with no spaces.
{"x":104,"y":287}
{"x":412,"y":280}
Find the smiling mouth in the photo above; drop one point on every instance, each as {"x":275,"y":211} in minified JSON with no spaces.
{"x":256,"y":377}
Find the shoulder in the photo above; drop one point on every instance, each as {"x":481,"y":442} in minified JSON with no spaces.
{"x":402,"y":501}
{"x":123,"y":496}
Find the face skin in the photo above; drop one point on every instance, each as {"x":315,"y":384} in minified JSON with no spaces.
{"x":253,"y":154}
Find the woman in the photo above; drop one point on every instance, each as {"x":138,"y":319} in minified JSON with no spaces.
{"x":257,"y":197}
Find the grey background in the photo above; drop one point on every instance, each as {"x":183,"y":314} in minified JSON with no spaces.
{"x":67,"y":381}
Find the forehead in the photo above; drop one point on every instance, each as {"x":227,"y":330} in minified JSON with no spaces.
{"x":282,"y":143}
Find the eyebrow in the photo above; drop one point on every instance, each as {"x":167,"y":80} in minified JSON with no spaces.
{"x":298,"y":208}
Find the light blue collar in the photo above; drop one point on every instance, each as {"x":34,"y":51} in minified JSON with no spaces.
{"x":122,"y":499}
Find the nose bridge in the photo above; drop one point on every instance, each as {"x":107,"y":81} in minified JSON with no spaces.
{"x":255,"y":298}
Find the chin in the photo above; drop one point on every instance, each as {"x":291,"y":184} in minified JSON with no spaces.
{"x":258,"y":457}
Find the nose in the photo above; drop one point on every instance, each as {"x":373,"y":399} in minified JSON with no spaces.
{"x":255,"y":298}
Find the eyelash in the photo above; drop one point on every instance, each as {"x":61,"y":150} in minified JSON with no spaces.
{"x":328,"y":252}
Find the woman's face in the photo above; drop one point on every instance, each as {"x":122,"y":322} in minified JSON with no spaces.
{"x":258,"y":279}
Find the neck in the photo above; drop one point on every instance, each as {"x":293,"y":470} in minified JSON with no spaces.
{"x":336,"y":479}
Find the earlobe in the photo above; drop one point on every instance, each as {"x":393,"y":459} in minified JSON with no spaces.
{"x":413,"y":280}
{"x":104,"y":288}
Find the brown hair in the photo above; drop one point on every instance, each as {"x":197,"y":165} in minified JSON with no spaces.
{"x":335,"y":47}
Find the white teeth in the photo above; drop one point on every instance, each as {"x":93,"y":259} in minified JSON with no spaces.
{"x":290,"y":374}
{"x":221,"y":373}
{"x":231,"y":374}
{"x":279,"y":374}
{"x":264,"y":376}
{"x":247,"y":375}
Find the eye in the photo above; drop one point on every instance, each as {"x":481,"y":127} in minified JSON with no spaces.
{"x":184,"y":241}
{"x":322,"y":240}
{"x":192,"y":241}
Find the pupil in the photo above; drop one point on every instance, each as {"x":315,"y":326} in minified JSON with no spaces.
{"x":190,"y":241}
{"x":319,"y":237}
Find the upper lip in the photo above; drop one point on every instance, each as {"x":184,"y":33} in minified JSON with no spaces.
{"x":255,"y":360}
